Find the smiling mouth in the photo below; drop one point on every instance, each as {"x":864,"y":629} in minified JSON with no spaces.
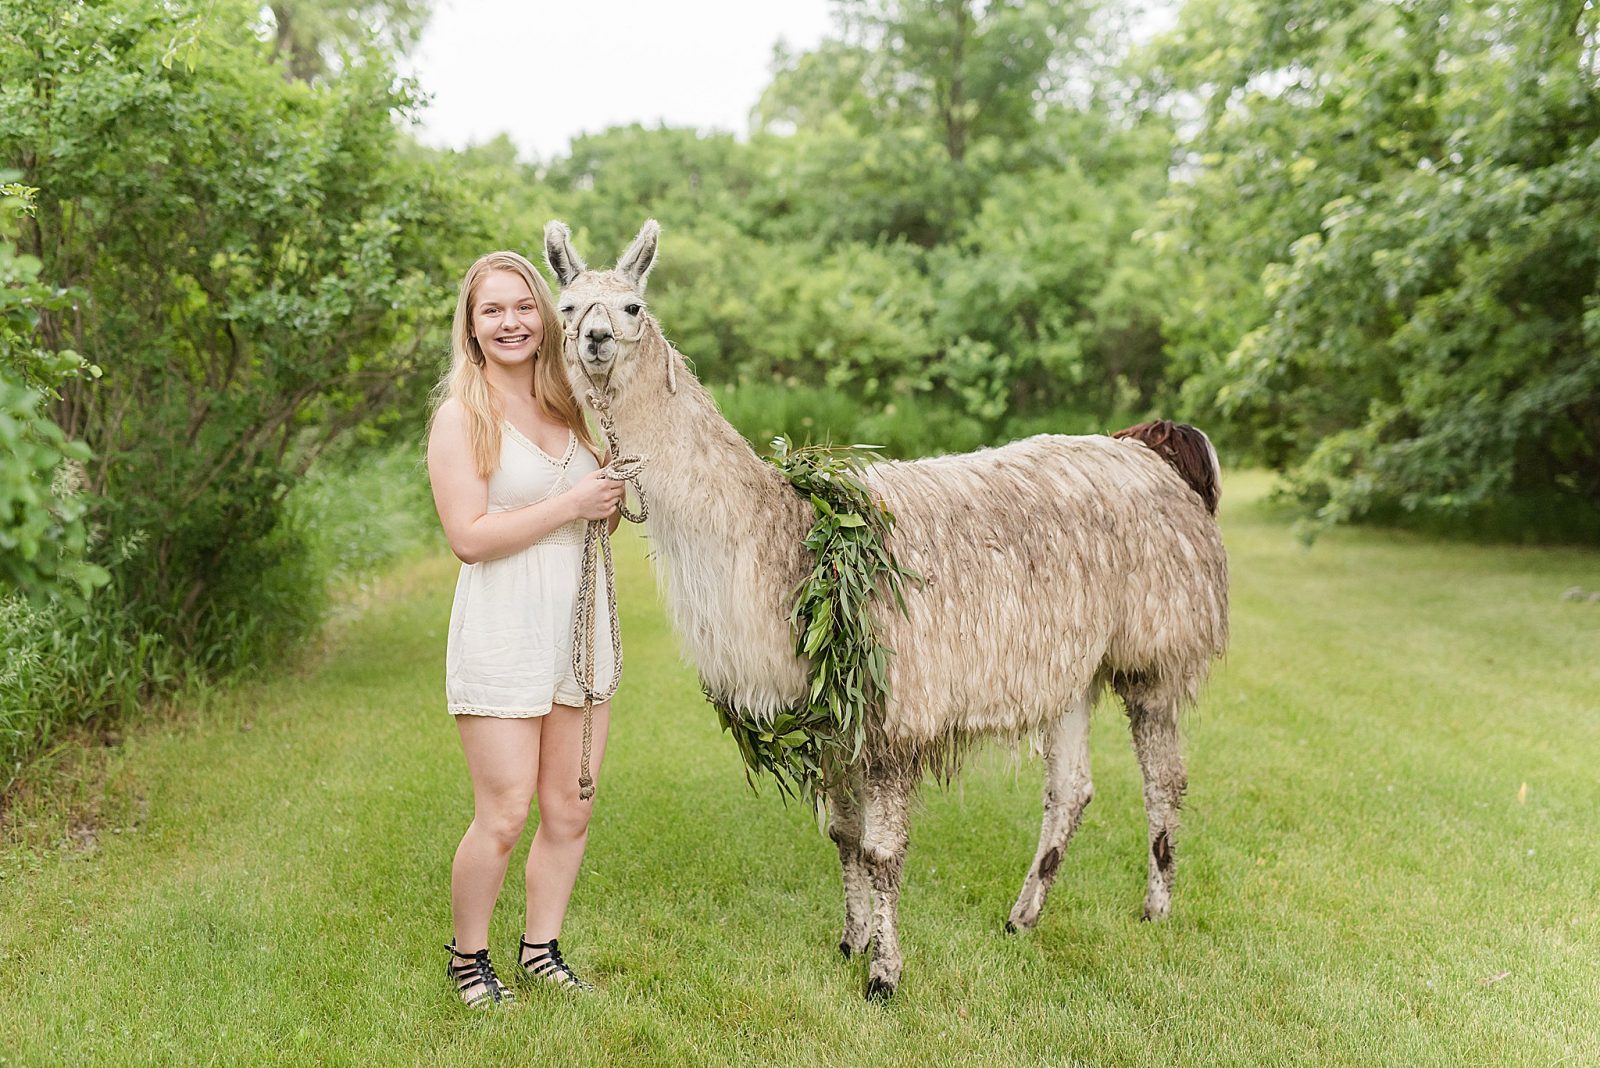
{"x":512,"y":339}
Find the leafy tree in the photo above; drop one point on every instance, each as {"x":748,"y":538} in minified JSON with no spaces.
{"x":611,"y":182}
{"x":1054,"y":304}
{"x":969,"y":70}
{"x":1409,"y":194}
{"x":899,"y":122}
{"x":990,"y":149}
{"x":262,"y":267}
{"x":311,"y":35}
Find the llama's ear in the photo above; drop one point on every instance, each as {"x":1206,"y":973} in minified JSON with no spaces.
{"x":559,"y":254}
{"x":635,"y":263}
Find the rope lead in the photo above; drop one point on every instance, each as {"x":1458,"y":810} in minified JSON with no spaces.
{"x":596,"y":552}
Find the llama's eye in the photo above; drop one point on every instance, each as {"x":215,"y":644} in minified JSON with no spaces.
{"x":566,"y":309}
{"x":632,"y":309}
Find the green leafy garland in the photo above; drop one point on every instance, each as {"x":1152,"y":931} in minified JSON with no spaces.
{"x":809,"y":747}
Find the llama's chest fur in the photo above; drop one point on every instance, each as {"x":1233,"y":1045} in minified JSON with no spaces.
{"x":729,"y":599}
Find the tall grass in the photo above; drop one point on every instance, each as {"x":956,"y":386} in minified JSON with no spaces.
{"x":63,"y":669}
{"x":355,"y":517}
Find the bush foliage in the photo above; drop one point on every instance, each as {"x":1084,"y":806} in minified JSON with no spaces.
{"x":260,"y":265}
{"x":1396,"y":212}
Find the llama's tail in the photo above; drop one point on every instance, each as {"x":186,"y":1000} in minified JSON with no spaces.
{"x":1189,"y":452}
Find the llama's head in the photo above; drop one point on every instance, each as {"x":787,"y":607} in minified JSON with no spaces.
{"x":606,"y":321}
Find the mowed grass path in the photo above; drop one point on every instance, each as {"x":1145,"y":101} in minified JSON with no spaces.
{"x":1387,"y":858}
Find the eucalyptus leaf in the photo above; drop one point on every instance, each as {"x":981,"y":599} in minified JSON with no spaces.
{"x":810,"y":747}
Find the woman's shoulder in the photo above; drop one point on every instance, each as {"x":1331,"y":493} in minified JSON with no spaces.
{"x":450,"y":412}
{"x":450,"y":431}
{"x":451,"y":417}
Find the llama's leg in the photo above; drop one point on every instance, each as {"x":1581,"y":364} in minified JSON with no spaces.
{"x":1155,"y":740}
{"x":1067,"y":790}
{"x":885,"y":835}
{"x":844,"y":827}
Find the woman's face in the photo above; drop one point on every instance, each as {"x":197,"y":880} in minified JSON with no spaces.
{"x":505,"y":319}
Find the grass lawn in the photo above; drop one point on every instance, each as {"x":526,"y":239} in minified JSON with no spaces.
{"x":1387,"y":858}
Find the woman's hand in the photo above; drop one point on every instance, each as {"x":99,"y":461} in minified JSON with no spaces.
{"x":596,"y":497}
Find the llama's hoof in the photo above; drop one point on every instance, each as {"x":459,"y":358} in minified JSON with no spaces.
{"x":879,"y":990}
{"x":1021,"y":923}
{"x":845,"y":950}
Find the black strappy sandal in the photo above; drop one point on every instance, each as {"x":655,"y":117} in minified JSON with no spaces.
{"x":545,"y":963}
{"x":468,"y":970}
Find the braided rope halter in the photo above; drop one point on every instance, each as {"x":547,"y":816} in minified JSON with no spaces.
{"x":596,"y":537}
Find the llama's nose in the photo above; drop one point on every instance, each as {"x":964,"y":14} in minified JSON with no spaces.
{"x":599,"y":334}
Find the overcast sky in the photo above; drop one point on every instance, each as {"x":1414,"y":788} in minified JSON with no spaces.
{"x":544,"y":72}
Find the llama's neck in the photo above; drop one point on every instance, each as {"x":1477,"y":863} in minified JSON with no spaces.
{"x":727,"y":531}
{"x":698,"y":464}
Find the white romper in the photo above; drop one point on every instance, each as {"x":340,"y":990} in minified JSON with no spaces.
{"x":509,"y":652}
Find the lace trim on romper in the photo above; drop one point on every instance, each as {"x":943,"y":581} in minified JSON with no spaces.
{"x":568,"y":533}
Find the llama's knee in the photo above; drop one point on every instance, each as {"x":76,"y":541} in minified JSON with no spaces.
{"x":884,"y":827}
{"x":1063,"y":813}
{"x":845,"y":815}
{"x":1071,"y":799}
{"x":884,"y":870}
{"x":885,"y":835}
{"x":1165,"y":778}
{"x":884,"y":847}
{"x":1165,"y":783}
{"x":1157,"y":746}
{"x":1177,"y":782}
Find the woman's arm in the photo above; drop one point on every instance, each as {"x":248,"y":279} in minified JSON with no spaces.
{"x":461,"y":496}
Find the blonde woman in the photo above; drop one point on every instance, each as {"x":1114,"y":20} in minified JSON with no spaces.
{"x":514,"y":470}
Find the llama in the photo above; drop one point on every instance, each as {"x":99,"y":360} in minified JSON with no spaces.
{"x":1051,"y":568}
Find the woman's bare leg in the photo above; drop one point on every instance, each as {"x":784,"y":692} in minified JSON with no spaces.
{"x":558,"y":844}
{"x":503,"y":760}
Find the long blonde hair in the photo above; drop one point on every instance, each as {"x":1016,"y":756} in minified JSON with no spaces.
{"x":466,"y":381}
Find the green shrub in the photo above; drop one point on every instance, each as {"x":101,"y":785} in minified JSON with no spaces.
{"x":42,"y":531}
{"x":304,"y":281}
{"x":99,"y":662}
{"x":906,"y":427}
{"x":762,"y":411}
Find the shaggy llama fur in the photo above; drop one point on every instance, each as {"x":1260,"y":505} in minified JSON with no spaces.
{"x":1052,"y":568}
